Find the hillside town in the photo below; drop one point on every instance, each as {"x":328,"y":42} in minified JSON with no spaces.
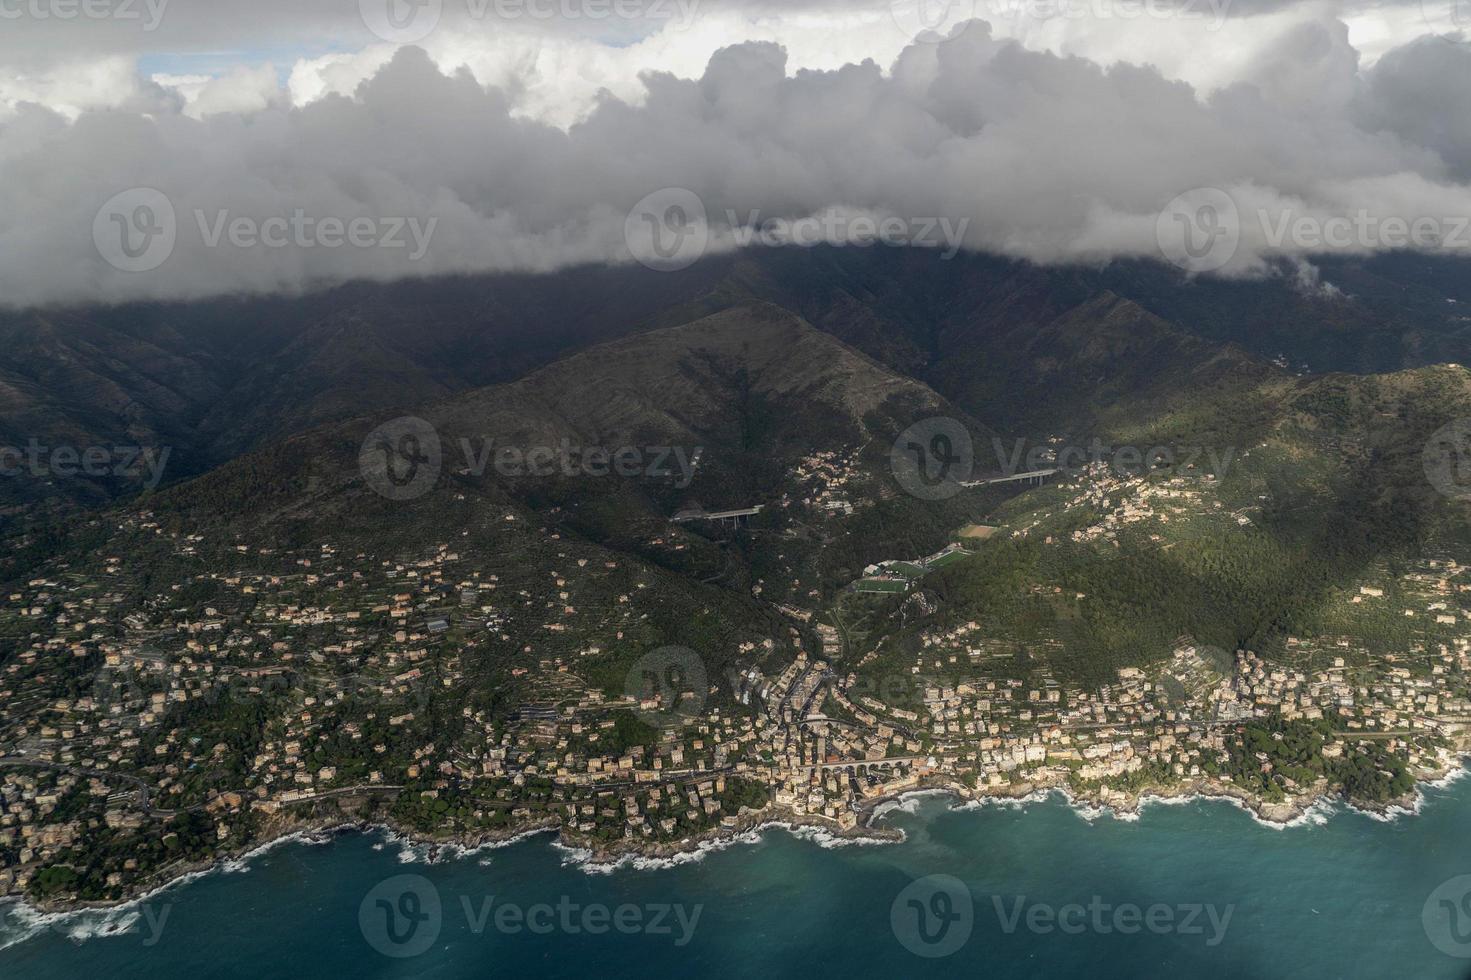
{"x":299,"y":690}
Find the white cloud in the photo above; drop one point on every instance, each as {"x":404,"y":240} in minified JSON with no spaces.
{"x":516,"y":161}
{"x":554,"y":67}
{"x":243,"y":89}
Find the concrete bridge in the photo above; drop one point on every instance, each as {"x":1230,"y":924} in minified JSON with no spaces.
{"x":861,"y":767}
{"x":1031,"y":476}
{"x":734,"y":517}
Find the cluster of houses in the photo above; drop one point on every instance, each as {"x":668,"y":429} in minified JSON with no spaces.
{"x":111,"y":720}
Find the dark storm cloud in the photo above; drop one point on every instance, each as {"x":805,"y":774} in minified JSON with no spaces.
{"x":1014,"y":151}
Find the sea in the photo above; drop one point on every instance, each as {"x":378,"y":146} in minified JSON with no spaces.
{"x":1038,"y":888}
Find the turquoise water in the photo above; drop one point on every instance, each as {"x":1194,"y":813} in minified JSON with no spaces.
{"x":1346,"y":896}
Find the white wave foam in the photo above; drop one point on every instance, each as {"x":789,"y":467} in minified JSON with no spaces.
{"x":820,"y":836}
{"x":823,"y":837}
{"x":462,"y":851}
{"x":21,"y":922}
{"x":572,"y":855}
{"x":1456,"y":773}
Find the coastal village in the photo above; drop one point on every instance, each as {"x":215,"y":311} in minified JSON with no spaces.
{"x":289,"y":690}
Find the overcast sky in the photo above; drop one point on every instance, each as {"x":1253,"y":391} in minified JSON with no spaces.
{"x":180,"y":148}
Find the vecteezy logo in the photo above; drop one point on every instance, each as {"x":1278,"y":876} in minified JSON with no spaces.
{"x":931,"y":459}
{"x":1447,"y":459}
{"x":1447,"y":917}
{"x":401,"y":21}
{"x":669,"y":685}
{"x":933,"y":916}
{"x":667,"y":230}
{"x":401,"y":917}
{"x":931,"y":20}
{"x":400,"y":460}
{"x":1199,"y":230}
{"x":135,"y":230}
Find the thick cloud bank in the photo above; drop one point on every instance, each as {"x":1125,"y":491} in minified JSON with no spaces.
{"x":974,"y":142}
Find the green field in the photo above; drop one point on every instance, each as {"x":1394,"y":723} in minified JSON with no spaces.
{"x":948,"y":559}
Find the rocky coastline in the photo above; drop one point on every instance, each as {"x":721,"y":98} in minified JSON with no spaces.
{"x":598,"y":856}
